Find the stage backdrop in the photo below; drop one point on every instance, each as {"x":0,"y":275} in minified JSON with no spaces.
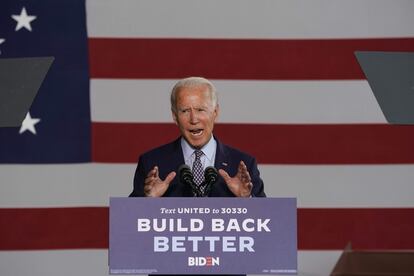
{"x":290,"y":91}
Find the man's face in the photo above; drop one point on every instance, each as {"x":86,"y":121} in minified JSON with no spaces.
{"x":195,"y":115}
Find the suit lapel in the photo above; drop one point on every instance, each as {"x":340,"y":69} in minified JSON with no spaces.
{"x":221,"y":161}
{"x":177,"y":159}
{"x":178,"y":154}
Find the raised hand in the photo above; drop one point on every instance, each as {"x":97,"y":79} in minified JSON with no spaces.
{"x":241,"y":184}
{"x":154,"y":186}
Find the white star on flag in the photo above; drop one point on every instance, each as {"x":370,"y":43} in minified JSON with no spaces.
{"x":23,"y":20}
{"x":29,"y":124}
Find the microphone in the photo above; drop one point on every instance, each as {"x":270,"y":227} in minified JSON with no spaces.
{"x":210,"y":177}
{"x":186,"y":177}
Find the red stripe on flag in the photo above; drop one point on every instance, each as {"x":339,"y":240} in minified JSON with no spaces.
{"x":365,"y":228}
{"x":129,"y":140}
{"x":277,"y":144}
{"x":54,"y":228}
{"x":234,"y":58}
{"x":74,"y":228}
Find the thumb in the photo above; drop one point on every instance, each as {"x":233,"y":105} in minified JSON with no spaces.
{"x":169,"y":178}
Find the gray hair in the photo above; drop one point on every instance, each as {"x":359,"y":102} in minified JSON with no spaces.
{"x":192,"y":82}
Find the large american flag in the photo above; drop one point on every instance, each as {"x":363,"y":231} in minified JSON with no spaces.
{"x":291,"y":94}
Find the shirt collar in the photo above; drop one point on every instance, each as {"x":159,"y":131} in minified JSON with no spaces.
{"x":209,"y":149}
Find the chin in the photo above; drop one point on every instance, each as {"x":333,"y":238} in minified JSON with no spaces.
{"x":198,"y":143}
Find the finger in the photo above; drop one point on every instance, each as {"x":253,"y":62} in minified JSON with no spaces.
{"x":249,"y":185}
{"x":169,"y":178}
{"x":147,"y":188}
{"x":247,"y":189}
{"x":225,"y":175}
{"x":246,"y":177}
{"x":149,"y":179}
{"x":242,"y":169}
{"x":149,"y":184}
{"x":243,"y":173}
{"x":156,"y":172}
{"x":151,"y":173}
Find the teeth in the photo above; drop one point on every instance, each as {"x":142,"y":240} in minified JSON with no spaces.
{"x":196,"y":132}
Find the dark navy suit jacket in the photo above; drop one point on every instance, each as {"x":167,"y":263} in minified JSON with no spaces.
{"x":170,"y":157}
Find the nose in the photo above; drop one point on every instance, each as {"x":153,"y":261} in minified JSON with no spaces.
{"x":193,"y":117}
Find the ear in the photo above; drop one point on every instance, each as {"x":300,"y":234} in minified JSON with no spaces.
{"x":216,"y":112}
{"x":174,"y":116}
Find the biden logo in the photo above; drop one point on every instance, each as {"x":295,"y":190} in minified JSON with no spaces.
{"x":203,"y":261}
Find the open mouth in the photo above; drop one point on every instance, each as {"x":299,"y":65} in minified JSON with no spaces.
{"x":196,"y":132}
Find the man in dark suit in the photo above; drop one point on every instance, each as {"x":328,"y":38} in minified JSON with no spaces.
{"x":195,"y":109}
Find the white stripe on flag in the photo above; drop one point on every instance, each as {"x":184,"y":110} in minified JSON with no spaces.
{"x":250,"y":19}
{"x":326,"y":186}
{"x":283,"y":102}
{"x":68,"y":185}
{"x":342,"y":186}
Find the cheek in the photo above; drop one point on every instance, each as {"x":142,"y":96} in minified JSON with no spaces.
{"x":180,"y":120}
{"x":210,"y":122}
{"x":184,"y":124}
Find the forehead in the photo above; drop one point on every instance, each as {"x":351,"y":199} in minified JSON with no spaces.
{"x":199,"y":94}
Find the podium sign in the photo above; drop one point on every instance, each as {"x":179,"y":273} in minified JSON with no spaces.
{"x":203,"y":236}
